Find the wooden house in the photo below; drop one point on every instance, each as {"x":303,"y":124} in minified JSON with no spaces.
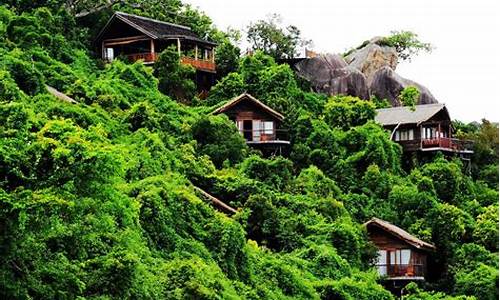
{"x":140,"y":38}
{"x":401,"y":256}
{"x":427,"y":128}
{"x":260,"y":125}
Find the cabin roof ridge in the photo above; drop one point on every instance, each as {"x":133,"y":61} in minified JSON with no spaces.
{"x":244,"y":95}
{"x":153,"y":20}
{"x":407,"y":115}
{"x":400,"y":233}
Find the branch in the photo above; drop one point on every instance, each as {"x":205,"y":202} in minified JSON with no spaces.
{"x":108,"y":4}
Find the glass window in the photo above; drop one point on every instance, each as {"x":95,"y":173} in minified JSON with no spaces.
{"x":382,"y":262}
{"x":268,"y":127}
{"x":109,"y":53}
{"x":405,"y":256}
{"x":256,"y":129}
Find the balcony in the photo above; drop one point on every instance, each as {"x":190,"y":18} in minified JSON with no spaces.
{"x":199,"y":64}
{"x":151,"y":57}
{"x":263,"y":136}
{"x":411,"y":271}
{"x":450,"y":144}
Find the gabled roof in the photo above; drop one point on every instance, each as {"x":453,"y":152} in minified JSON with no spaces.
{"x":233,"y":102}
{"x":404,"y":114}
{"x":156,"y":29}
{"x":400,"y":234}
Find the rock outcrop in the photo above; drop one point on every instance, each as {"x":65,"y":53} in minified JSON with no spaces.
{"x":371,"y":57}
{"x":331,"y":75}
{"x":368,"y":70}
{"x":387,"y":84}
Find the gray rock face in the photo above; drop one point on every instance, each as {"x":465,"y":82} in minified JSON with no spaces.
{"x":330,"y":74}
{"x":387,"y":84}
{"x":371,"y":57}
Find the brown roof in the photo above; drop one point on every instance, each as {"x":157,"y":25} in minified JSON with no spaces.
{"x":156,"y":29}
{"x":244,"y":96}
{"x":400,"y":234}
{"x":404,"y":114}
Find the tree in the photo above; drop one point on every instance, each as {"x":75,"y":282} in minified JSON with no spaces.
{"x":406,"y":44}
{"x":274,"y":39}
{"x":409,"y":96}
{"x":175,"y":79}
{"x":218,"y":138}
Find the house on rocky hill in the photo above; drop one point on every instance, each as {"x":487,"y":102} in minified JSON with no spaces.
{"x":402,"y":257}
{"x":139,"y":38}
{"x":426,"y":129}
{"x":260,"y":125}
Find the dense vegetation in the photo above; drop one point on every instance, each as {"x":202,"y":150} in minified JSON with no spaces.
{"x":97,"y":199}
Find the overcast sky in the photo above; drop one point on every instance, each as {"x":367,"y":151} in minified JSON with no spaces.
{"x":462,"y":71}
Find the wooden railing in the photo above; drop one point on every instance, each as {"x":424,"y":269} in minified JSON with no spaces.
{"x":263,"y":135}
{"x":146,"y":57}
{"x":448,"y":143}
{"x":199,"y":64}
{"x":411,"y":270}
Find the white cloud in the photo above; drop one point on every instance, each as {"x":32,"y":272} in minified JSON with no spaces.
{"x":462,"y":71}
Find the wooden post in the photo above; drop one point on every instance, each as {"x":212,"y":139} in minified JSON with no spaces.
{"x":439,"y":134}
{"x":179,"y":47}
{"x":152,"y":46}
{"x":213,"y":55}
{"x":195,"y":52}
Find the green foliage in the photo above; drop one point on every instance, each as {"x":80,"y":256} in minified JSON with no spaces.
{"x":218,"y":138}
{"x":406,"y":43}
{"x":346,"y":112}
{"x":409,"y":96}
{"x":97,"y":198}
{"x":486,"y":228}
{"x":446,"y":177}
{"x":270,"y":37}
{"x":175,"y":79}
{"x":412,"y":292}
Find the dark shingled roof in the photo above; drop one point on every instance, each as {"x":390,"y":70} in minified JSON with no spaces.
{"x":400,"y":234}
{"x":158,"y":29}
{"x":404,"y":114}
{"x":244,"y":96}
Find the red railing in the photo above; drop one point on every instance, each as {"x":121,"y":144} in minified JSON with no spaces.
{"x":199,"y":64}
{"x":448,"y":143}
{"x":411,"y":270}
{"x":263,"y":135}
{"x":146,"y":57}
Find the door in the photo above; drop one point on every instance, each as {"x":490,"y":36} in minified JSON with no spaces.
{"x":247,"y":130}
{"x":382,"y":262}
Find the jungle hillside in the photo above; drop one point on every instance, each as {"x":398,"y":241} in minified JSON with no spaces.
{"x":100,"y":181}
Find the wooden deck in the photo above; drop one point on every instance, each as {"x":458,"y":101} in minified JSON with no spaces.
{"x":198,"y":64}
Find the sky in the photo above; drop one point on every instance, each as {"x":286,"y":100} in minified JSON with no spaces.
{"x":462,"y":70}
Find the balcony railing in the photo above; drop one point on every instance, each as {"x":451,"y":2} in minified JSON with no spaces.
{"x":199,"y":64}
{"x":150,"y":57}
{"x":448,"y":143}
{"x":147,"y":57}
{"x":265,"y":136}
{"x":411,"y":270}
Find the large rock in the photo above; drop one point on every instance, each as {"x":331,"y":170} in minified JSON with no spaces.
{"x":387,"y":84}
{"x":330,"y":74}
{"x":370,"y":57}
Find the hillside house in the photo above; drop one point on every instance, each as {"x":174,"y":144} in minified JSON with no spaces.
{"x":140,"y":38}
{"x":401,"y":256}
{"x":260,"y":125}
{"x":428,"y":128}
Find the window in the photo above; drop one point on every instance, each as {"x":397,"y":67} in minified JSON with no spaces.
{"x":382,"y":262}
{"x":404,"y":135}
{"x":268,"y":127}
{"x":109,"y":54}
{"x":256,"y":129}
